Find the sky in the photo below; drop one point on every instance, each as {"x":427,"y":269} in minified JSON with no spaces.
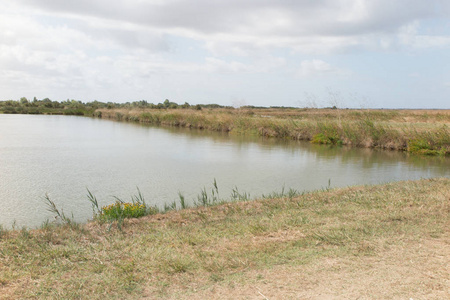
{"x":302,"y":53}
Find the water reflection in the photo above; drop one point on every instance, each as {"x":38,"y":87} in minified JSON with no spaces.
{"x":365,"y":157}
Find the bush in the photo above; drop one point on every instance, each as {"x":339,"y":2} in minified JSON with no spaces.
{"x":121,"y":210}
{"x":321,"y":138}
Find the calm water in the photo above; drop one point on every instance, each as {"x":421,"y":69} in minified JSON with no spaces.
{"x":62,"y":156}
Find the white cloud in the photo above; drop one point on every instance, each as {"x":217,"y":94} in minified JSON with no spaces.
{"x":124,"y":48}
{"x":260,"y":65}
{"x":422,"y":41}
{"x":409,"y":36}
{"x":242,"y":25}
{"x":220,"y":66}
{"x":317,"y":67}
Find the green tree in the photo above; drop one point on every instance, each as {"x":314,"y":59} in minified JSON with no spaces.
{"x":166,"y":103}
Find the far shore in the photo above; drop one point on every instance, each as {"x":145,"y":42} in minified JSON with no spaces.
{"x":423,"y":132}
{"x":418,"y":131}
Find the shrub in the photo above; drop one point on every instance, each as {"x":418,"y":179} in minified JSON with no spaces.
{"x":121,"y":210}
{"x":321,"y":138}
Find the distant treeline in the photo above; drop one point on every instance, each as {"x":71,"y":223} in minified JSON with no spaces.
{"x":75,"y":107}
{"x":46,"y":106}
{"x":79,"y":108}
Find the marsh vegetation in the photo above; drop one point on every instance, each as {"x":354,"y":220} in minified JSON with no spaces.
{"x":417,"y":131}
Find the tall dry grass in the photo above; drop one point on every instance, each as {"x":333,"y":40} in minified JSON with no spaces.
{"x":424,"y":132}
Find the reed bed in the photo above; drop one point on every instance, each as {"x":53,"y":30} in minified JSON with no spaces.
{"x":424,"y":132}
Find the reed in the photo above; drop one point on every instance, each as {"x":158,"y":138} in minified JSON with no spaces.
{"x":182,"y":201}
{"x":290,"y":193}
{"x":59,"y":214}
{"x":421,"y":132}
{"x":239,"y":196}
{"x":137,"y":208}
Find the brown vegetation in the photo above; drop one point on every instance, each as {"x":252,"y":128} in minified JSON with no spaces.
{"x":374,"y":242}
{"x":418,"y":131}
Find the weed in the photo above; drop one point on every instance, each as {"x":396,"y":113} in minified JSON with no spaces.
{"x":51,"y":207}
{"x":169,"y":207}
{"x":238,"y":196}
{"x":291,"y":193}
{"x":182,"y":201}
{"x":120,"y":209}
{"x":204,"y":199}
{"x":139,"y":198}
{"x":95,"y":208}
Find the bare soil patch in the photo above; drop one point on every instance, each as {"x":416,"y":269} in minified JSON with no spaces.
{"x":414,"y":270}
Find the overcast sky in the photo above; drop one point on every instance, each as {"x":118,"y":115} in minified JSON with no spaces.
{"x":315,"y":53}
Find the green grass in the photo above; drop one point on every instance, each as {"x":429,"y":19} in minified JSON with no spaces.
{"x":181,"y":253}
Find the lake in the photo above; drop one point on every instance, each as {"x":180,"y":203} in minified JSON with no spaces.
{"x":64,"y":155}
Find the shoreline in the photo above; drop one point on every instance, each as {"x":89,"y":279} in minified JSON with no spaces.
{"x":344,"y":234}
{"x":420,"y":132}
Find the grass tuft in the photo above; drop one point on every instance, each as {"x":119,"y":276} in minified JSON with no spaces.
{"x":59,"y":214}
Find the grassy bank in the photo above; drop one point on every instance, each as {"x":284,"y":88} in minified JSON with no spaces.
{"x":387,"y":241}
{"x":417,"y":131}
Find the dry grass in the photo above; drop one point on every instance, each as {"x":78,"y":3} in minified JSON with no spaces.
{"x":379,"y":242}
{"x":419,"y":131}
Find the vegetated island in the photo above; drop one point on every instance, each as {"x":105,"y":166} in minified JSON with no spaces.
{"x":379,"y":242}
{"x":424,"y":132}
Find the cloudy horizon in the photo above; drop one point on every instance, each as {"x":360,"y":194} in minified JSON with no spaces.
{"x":348,"y":53}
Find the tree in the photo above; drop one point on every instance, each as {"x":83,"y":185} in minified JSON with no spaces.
{"x":166,"y":103}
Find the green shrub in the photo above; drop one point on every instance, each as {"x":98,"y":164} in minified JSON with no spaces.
{"x":421,"y":146}
{"x":121,"y":210}
{"x":321,"y":138}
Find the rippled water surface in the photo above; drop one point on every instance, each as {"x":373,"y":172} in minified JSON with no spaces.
{"x":64,"y":155}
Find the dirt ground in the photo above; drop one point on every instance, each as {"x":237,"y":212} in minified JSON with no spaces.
{"x":416,"y":270}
